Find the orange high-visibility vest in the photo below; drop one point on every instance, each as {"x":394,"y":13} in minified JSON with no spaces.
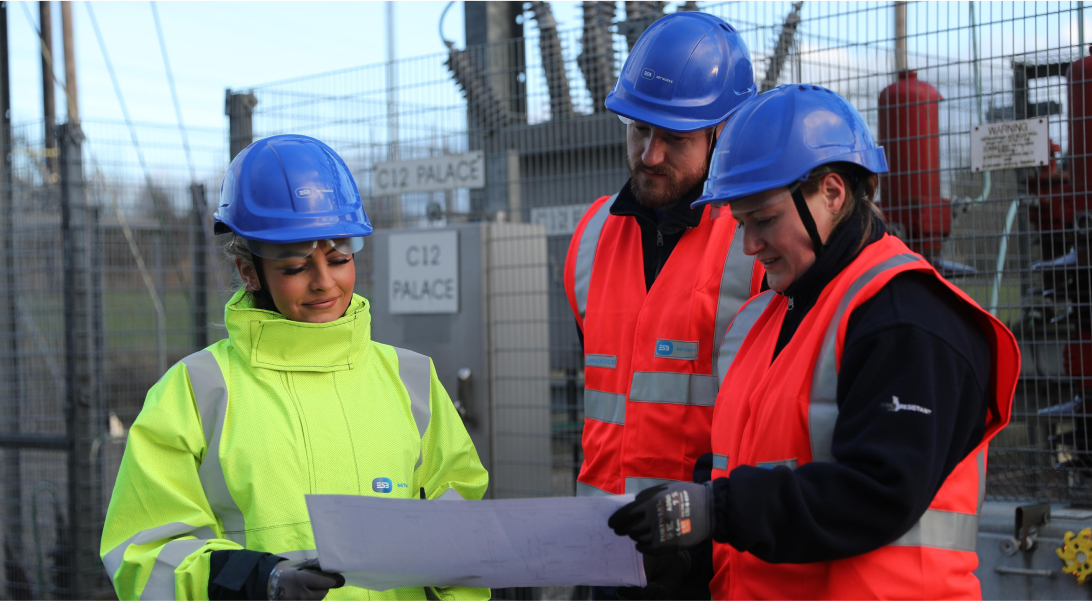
{"x":784,"y":412}
{"x":649,"y":361}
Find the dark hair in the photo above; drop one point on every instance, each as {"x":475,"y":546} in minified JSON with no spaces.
{"x":861,"y":205}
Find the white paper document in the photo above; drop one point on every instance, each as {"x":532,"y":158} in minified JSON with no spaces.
{"x":381,"y":544}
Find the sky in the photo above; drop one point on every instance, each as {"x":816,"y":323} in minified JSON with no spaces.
{"x":217,"y":45}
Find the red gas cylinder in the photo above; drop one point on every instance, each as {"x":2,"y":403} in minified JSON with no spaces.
{"x":1079,"y":79}
{"x":909,"y":115}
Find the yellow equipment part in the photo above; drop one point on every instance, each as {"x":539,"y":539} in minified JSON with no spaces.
{"x":1077,"y":553}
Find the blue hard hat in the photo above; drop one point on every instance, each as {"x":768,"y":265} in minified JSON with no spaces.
{"x":290,"y":188}
{"x":688,"y":71}
{"x":779,"y":137}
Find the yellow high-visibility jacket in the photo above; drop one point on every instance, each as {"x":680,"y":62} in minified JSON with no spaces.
{"x":232,"y":437}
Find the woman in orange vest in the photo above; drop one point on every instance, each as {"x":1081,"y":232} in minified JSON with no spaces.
{"x":860,"y":392}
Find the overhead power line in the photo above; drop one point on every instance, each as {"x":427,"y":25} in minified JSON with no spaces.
{"x":174,"y":92}
{"x":156,"y":201}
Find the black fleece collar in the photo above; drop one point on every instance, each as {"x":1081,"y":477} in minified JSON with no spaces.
{"x":677,"y":218}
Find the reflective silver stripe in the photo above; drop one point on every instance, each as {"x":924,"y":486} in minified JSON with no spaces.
{"x":585,"y":254}
{"x":415,"y":370}
{"x":737,"y":333}
{"x":720,"y":462}
{"x":769,"y":465}
{"x":981,"y":481}
{"x":942,"y":530}
{"x":211,"y":394}
{"x":451,"y":495}
{"x":160,"y":583}
{"x":584,"y":489}
{"x":674,"y":388}
{"x":112,"y":560}
{"x":735,"y":289}
{"x":605,"y":406}
{"x":823,"y":405}
{"x":636,"y":485}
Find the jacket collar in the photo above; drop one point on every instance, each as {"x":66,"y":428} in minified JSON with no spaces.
{"x":267,"y":339}
{"x":676,"y":219}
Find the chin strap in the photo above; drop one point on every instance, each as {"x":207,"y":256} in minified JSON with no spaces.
{"x":809,"y":221}
{"x":805,"y":216}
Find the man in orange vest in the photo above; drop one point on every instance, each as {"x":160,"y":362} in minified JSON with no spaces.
{"x":850,"y":457}
{"x":653,"y":283}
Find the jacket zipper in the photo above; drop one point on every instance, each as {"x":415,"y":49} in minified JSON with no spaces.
{"x":659,"y":253}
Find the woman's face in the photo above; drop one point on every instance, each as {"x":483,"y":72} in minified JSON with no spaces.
{"x":315,"y":289}
{"x":775,"y":235}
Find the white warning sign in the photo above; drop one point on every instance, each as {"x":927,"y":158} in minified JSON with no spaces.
{"x":1009,"y":145}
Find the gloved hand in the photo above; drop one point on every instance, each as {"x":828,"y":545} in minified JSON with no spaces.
{"x":668,"y":517}
{"x":304,"y":581}
{"x":664,"y":575}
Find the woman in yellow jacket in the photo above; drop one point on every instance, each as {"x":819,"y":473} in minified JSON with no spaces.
{"x":209,"y":501}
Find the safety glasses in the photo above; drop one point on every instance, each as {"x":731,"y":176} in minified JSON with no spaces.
{"x":301,"y":250}
{"x":749,"y":204}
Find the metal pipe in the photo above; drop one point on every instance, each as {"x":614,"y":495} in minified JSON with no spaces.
{"x":49,"y":105}
{"x":1001,"y":256}
{"x":901,"y":63}
{"x":1080,"y":29}
{"x":987,"y":180}
{"x":69,"y":63}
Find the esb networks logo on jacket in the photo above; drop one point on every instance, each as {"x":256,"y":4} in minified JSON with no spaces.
{"x":383,"y":485}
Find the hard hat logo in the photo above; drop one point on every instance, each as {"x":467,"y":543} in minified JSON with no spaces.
{"x":648,"y":74}
{"x":307,"y":192}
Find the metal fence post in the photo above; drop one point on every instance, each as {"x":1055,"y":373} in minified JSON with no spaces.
{"x":240,"y":111}
{"x":200,"y":267}
{"x":9,"y":323}
{"x":82,"y":380}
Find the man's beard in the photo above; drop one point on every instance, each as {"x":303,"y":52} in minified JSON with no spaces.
{"x":679,"y":186}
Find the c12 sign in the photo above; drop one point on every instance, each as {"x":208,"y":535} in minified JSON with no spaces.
{"x":424,"y":270}
{"x":448,"y":172}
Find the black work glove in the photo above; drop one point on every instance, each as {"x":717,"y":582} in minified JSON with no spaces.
{"x":664,"y":574}
{"x":666,"y":518}
{"x":305,"y":581}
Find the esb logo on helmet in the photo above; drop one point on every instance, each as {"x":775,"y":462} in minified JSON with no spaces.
{"x":648,"y":73}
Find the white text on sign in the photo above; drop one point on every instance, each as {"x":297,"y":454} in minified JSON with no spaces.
{"x":424,"y":268}
{"x":447,"y":172}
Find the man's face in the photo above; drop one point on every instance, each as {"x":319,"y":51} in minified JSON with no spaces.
{"x":665,"y":165}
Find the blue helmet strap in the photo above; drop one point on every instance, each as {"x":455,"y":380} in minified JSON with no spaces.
{"x":805,"y":216}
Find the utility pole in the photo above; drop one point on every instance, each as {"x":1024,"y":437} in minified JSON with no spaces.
{"x":69,"y":63}
{"x":49,"y":108}
{"x":12,"y":468}
{"x":901,"y":63}
{"x":392,"y":111}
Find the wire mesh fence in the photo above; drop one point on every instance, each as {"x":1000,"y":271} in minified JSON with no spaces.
{"x":924,"y":75}
{"x":104,"y":269}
